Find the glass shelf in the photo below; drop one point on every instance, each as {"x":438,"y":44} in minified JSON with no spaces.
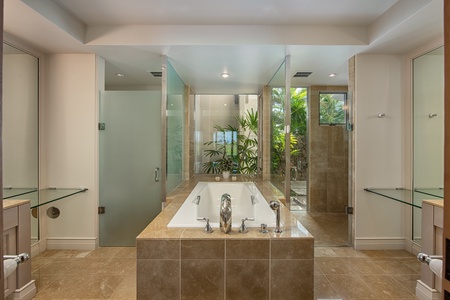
{"x":41,"y":197}
{"x":14,"y":192}
{"x":437,"y":192}
{"x":408,"y":197}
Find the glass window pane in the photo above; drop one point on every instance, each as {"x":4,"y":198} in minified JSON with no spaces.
{"x":332,"y":108}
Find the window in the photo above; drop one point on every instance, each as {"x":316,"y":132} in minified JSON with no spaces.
{"x":332,"y":108}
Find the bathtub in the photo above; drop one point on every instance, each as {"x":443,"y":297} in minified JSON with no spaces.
{"x":204,"y":202}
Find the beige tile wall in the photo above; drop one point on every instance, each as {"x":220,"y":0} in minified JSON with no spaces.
{"x":225,"y":269}
{"x":328,"y":159}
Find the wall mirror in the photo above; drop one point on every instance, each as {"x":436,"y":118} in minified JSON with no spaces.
{"x":20,"y":125}
{"x":428,"y":130}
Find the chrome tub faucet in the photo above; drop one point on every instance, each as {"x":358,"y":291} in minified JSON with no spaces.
{"x":275,"y":205}
{"x":225,"y":213}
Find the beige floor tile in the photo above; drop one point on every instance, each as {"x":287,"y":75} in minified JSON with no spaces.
{"x":126,"y":289}
{"x":412,"y":262}
{"x":323,"y":288}
{"x":324,"y":252}
{"x":362,"y":265}
{"x":393,"y":266}
{"x":408,"y":281}
{"x":385,"y":287}
{"x":317,"y":270}
{"x":332,"y":265}
{"x":350,"y":286}
{"x":126,"y":252}
{"x":346,"y":252}
{"x":376,"y":253}
{"x":118,"y":267}
{"x":80,"y":287}
{"x":106,"y":252}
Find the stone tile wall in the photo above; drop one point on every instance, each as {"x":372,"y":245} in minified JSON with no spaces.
{"x":225,"y":269}
{"x":328,"y":159}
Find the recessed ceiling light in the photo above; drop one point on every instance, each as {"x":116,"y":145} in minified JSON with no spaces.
{"x":120,"y":75}
{"x":332,"y":75}
{"x":225,"y":75}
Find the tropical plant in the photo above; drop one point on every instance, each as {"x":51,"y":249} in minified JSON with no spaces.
{"x":331,"y":109}
{"x":298,"y":129}
{"x":241,"y":151}
{"x":247,"y":148}
{"x":218,"y":155}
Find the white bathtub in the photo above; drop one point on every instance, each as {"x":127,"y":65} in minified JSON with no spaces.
{"x":209,"y":205}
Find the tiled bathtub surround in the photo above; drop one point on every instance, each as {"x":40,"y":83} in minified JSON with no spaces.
{"x":189,"y":264}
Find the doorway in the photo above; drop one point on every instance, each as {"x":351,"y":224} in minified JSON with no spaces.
{"x":130,"y":163}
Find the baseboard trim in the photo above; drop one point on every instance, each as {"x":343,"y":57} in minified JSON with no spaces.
{"x":71,"y":243}
{"x":424,"y":292}
{"x":27,"y":292}
{"x":380,"y":243}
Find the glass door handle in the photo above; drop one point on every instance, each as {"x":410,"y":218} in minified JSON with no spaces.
{"x":157,"y":174}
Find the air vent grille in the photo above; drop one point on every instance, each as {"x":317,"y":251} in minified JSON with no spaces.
{"x":156,"y":74}
{"x":302,"y":74}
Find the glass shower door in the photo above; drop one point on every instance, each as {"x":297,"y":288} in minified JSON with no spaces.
{"x":130,"y":162}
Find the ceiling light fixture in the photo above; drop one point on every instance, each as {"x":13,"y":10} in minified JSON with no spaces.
{"x":332,"y":75}
{"x":225,"y":75}
{"x":120,"y":75}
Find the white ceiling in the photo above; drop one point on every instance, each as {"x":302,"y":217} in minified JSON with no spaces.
{"x":203,"y":38}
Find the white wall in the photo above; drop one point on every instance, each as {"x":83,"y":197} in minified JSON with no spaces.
{"x":20,"y":121}
{"x":379,"y":151}
{"x":69,"y":117}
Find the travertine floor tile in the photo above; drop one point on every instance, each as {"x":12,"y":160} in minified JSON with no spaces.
{"x":323,"y":288}
{"x":384,"y":286}
{"x":339,"y":273}
{"x":332,"y":265}
{"x":350,"y":286}
{"x":393,"y":266}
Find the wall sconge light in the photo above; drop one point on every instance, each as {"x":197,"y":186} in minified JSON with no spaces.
{"x":225,"y":75}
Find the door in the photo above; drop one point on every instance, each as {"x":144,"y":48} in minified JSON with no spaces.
{"x":130,"y":160}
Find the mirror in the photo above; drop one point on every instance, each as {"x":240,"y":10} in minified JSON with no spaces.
{"x":428,"y":130}
{"x":20,"y":125}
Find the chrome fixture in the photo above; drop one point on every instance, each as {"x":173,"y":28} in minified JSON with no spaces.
{"x":275,"y":205}
{"x":425,"y":258}
{"x":432,"y":115}
{"x":11,"y":262}
{"x":208,"y":228}
{"x":225,"y":213}
{"x":196,"y":200}
{"x":381,"y":115}
{"x":254,"y":200}
{"x":264,"y":228}
{"x":243,"y":228}
{"x":434,"y":262}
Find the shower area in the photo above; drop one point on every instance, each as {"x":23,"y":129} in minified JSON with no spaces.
{"x":316,"y":162}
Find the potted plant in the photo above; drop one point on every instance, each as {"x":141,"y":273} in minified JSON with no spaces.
{"x":226,"y":165}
